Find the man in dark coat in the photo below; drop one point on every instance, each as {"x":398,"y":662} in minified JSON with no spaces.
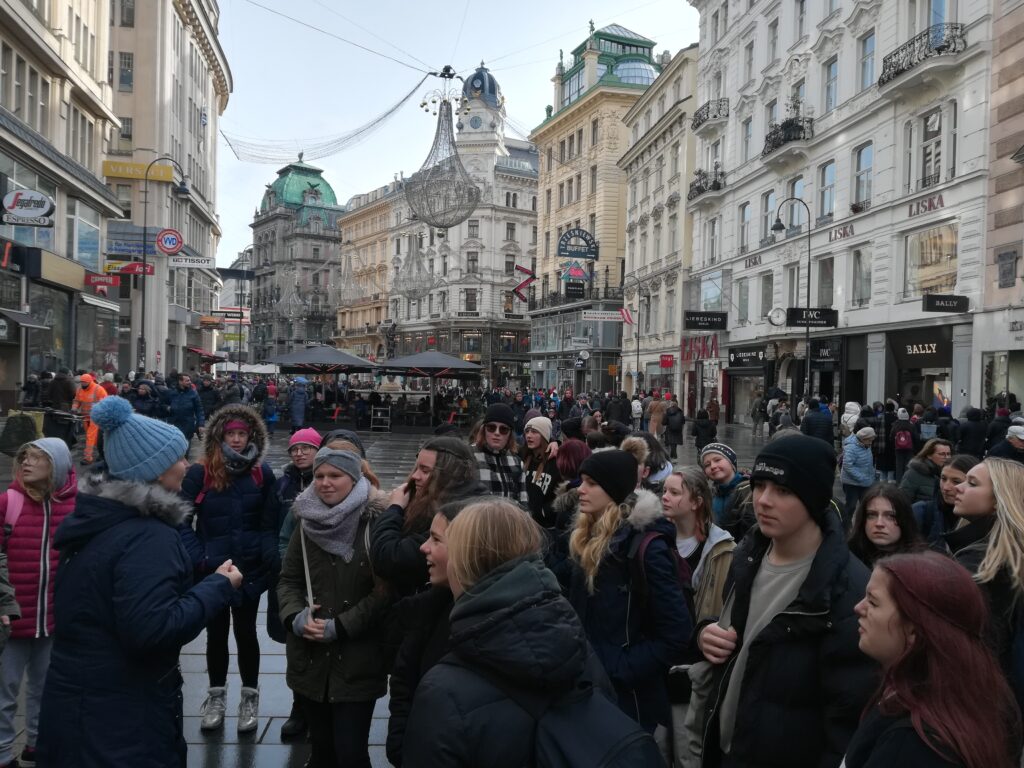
{"x":790,"y":682}
{"x":815,"y":423}
{"x":183,"y":407}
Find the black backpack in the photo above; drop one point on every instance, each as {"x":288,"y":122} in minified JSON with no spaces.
{"x":579,"y":729}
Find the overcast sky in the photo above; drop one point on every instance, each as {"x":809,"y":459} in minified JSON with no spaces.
{"x":293,"y":82}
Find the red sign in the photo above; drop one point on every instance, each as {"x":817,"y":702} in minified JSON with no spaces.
{"x":112,"y":281}
{"x":696,"y":348}
{"x":667,"y":361}
{"x":135,"y":268}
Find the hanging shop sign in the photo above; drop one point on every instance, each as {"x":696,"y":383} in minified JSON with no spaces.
{"x":802,"y":317}
{"x":694,"y":348}
{"x":28,"y":208}
{"x":183,"y":261}
{"x":705,"y":321}
{"x":577,"y":243}
{"x":746,"y":357}
{"x":938,"y":302}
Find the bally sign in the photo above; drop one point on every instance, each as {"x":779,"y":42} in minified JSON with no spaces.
{"x":801,"y":317}
{"x":28,"y":208}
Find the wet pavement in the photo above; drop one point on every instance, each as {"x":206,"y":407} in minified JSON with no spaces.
{"x":391,"y":456}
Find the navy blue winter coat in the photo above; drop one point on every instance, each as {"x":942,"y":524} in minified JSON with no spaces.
{"x":637,"y":632}
{"x":125,"y":604}
{"x":183,"y":409}
{"x":239,"y":522}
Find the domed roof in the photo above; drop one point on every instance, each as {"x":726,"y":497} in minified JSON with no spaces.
{"x":482,"y":85}
{"x":298,"y":184}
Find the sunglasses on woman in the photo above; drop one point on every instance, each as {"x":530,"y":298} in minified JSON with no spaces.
{"x":501,"y":429}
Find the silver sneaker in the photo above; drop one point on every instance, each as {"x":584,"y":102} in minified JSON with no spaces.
{"x":248,"y":710}
{"x":213,"y":708}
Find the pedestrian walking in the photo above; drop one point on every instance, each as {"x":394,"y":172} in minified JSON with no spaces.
{"x":41,"y":495}
{"x":86,"y":398}
{"x":232,"y":490}
{"x":922,"y":621}
{"x":124,"y":605}
{"x":921,"y":480}
{"x":858,"y":471}
{"x":883,"y":525}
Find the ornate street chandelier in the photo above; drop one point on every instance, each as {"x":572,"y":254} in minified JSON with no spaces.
{"x":441,"y":193}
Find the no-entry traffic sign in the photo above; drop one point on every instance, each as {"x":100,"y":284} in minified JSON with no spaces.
{"x":169,"y":241}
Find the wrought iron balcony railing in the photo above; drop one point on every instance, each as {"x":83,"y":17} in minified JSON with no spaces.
{"x":711,"y":110}
{"x":790,"y":129}
{"x":937,"y":40}
{"x":705,"y":181}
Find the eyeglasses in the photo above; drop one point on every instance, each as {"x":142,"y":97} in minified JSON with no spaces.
{"x":302,"y":449}
{"x":501,"y":429}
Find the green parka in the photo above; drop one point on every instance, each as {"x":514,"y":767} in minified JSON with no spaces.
{"x":349,"y":669}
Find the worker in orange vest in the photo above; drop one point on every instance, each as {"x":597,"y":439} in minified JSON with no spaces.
{"x":89,"y":393}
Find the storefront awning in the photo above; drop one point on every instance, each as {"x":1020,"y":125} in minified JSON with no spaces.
{"x":24,"y":319}
{"x":96,"y":301}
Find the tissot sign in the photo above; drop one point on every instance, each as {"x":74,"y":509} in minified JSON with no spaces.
{"x":577,"y":243}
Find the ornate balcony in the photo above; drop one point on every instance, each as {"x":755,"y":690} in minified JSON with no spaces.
{"x":710,"y":117}
{"x":922,"y":58}
{"x":707,"y":188}
{"x":787,"y":141}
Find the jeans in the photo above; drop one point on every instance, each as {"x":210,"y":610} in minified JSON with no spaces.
{"x":26,"y":658}
{"x":339,"y":733}
{"x":245,"y":638}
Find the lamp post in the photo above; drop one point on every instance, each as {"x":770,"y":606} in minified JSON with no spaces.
{"x":180,"y":190}
{"x":778,"y":226}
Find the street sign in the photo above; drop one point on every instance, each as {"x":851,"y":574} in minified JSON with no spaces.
{"x":136,"y":268}
{"x":604,"y":315}
{"x":802,"y":317}
{"x":182,"y":261}
{"x":705,"y":321}
{"x":937,"y":302}
{"x":169,"y":241}
{"x":230,"y":314}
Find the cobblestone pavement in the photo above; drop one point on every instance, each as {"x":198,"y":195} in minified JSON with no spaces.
{"x":391,"y":456}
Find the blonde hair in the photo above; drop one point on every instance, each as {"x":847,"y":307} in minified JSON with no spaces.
{"x":347,"y":445}
{"x":39,"y":490}
{"x":487,"y":534}
{"x":591,"y":538}
{"x":1006,"y":541}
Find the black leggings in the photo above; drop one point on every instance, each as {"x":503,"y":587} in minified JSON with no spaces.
{"x":339,"y":733}
{"x":245,"y":638}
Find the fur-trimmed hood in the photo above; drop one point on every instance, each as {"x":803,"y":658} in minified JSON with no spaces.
{"x":214,"y":434}
{"x":103,"y":502}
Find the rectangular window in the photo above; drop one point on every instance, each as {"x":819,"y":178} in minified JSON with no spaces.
{"x":773,"y":41}
{"x":826,"y":281}
{"x":863,"y":164}
{"x":867,"y":60}
{"x":831,"y":78}
{"x":767,"y":293}
{"x":861,"y":295}
{"x":744,"y":220}
{"x":931,"y":261}
{"x":510,"y":231}
{"x":827,"y":188}
{"x":474,"y":228}
{"x":746,"y":138}
{"x":127,"y":13}
{"x":743,"y":303}
{"x":472,"y":261}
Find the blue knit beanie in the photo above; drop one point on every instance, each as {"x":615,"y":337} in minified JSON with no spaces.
{"x":136,"y":447}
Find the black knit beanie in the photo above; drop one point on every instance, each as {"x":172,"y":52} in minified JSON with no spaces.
{"x":614,"y":470}
{"x":499,"y":413}
{"x":804,"y":465}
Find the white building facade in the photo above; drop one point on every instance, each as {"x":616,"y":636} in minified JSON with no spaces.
{"x":875,"y":114}
{"x":658,"y":164}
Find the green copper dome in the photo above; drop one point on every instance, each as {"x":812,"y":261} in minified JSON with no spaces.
{"x":298,"y":184}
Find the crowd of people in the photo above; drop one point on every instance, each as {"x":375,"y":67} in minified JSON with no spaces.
{"x":555,"y":583}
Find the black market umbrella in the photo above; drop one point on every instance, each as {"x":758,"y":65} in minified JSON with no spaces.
{"x":434,"y":365}
{"x":321,"y":359}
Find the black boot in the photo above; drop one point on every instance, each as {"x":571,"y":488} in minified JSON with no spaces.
{"x":295,"y":726}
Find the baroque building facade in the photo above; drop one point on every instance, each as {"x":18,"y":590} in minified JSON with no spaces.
{"x":658,"y":164}
{"x":582,"y":187}
{"x":875,"y":114}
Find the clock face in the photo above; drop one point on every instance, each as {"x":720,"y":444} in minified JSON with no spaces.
{"x":475,"y":121}
{"x":777,"y":316}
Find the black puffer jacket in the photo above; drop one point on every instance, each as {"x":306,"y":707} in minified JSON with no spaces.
{"x":517,"y":626}
{"x":806,"y":682}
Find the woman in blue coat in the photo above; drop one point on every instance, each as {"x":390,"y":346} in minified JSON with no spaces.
{"x":236,"y":517}
{"x":125,"y":604}
{"x":298,"y":400}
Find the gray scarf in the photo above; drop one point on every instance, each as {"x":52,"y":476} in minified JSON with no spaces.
{"x":333,"y":529}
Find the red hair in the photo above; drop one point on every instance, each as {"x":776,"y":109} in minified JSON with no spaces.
{"x":947,"y":679}
{"x":571,"y":454}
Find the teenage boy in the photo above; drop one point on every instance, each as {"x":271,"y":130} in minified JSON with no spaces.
{"x":790,"y":683}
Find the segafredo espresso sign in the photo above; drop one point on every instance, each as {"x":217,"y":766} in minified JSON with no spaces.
{"x":28,"y":208}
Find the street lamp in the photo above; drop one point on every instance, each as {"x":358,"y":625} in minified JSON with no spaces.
{"x":182,"y":191}
{"x":778,"y":226}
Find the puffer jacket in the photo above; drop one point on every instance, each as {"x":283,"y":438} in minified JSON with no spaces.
{"x":921,"y":480}
{"x":353,"y":668}
{"x":125,"y":605}
{"x":516,"y":625}
{"x":806,"y":681}
{"x":31,"y":574}
{"x":858,"y":463}
{"x":638,"y":629}
{"x":239,"y":522}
